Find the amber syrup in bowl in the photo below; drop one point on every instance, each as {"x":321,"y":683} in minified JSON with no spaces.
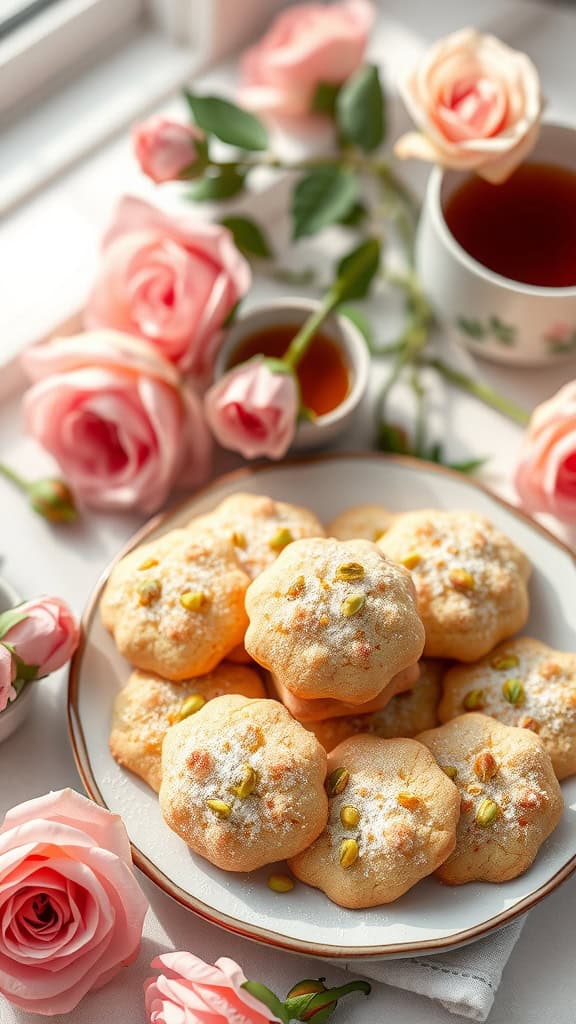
{"x":323,"y":372}
{"x":523,"y":229}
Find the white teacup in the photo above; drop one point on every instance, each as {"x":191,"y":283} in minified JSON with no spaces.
{"x":492,"y":315}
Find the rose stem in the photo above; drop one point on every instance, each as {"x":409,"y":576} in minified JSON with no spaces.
{"x":481,"y":391}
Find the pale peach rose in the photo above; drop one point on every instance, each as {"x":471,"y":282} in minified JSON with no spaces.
{"x":47,"y":635}
{"x":72,"y":912}
{"x":253,"y":410}
{"x":172,"y":281}
{"x":165,"y":149}
{"x":477,"y":104}
{"x":546,"y":473}
{"x":190,"y":991}
{"x":119,"y":420}
{"x":306,"y":45}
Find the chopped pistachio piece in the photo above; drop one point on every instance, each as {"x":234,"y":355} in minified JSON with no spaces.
{"x":280,"y":883}
{"x":504,"y":662}
{"x":348,"y":852}
{"x":487,"y":812}
{"x":193,"y":600}
{"x":461,"y":579}
{"x":513,"y":691}
{"x":349,"y":816}
{"x":281,"y":538}
{"x":337,"y":781}
{"x":474,"y":700}
{"x":449,"y":770}
{"x":247,"y":783}
{"x":191,"y":705}
{"x":353,"y":604}
{"x":149,"y":591}
{"x":220,"y":808}
{"x":350,"y":571}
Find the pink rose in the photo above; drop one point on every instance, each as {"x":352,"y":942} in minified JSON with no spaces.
{"x":170,"y":281}
{"x":164,"y":149}
{"x":546,"y":473}
{"x":117,"y":418}
{"x":477,"y":104}
{"x":306,"y":45}
{"x":253,"y":410}
{"x":47,"y":637}
{"x":189,"y":991}
{"x":7,"y":677}
{"x":71,"y":911}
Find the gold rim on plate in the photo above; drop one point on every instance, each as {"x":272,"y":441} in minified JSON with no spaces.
{"x":185,"y":899}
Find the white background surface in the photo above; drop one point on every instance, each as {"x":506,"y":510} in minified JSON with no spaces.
{"x":48,"y":252}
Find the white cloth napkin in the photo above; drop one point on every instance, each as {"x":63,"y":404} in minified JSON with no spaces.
{"x":464,"y":981}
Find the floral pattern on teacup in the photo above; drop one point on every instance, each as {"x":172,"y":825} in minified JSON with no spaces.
{"x":493,"y":329}
{"x":560,"y":339}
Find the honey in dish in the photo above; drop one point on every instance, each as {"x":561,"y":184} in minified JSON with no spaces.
{"x":523,"y":229}
{"x":323,"y":372}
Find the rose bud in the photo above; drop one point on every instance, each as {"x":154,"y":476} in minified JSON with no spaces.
{"x":167,"y":150}
{"x":7,"y":676}
{"x":44,"y":636}
{"x":53,"y":499}
{"x":253,"y":408}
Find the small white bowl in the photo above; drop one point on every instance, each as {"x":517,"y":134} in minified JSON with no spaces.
{"x":15,"y":713}
{"x":280,"y":312}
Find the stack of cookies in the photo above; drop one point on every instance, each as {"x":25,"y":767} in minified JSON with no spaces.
{"x":288,"y":687}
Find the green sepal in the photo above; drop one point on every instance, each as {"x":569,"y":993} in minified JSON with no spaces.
{"x":324,"y":99}
{"x":266,"y":996}
{"x":11,"y":617}
{"x":276,"y":365}
{"x":27,"y":673}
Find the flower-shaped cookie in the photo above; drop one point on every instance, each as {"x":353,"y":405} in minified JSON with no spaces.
{"x":471,"y":580}
{"x":175,"y":606}
{"x":510,"y":797}
{"x":243,"y":783}
{"x":524,"y":683}
{"x":334,"y":619}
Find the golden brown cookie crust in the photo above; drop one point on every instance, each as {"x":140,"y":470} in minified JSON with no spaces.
{"x":366,"y":522}
{"x":307,"y":711}
{"x":148,"y":706}
{"x":523,"y":683}
{"x":334,"y":619}
{"x":207,"y":759}
{"x":471,"y":580}
{"x":407,"y":811}
{"x":510,"y":797}
{"x":143,"y":607}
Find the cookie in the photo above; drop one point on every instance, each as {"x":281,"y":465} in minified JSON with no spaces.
{"x":259,"y":527}
{"x":334,"y":619}
{"x":471,"y":580}
{"x":307,"y":711}
{"x":243,"y":783}
{"x":523,"y":683}
{"x":407,"y":714}
{"x":149,"y":705}
{"x":392,"y":820}
{"x":175,"y":606}
{"x":367,"y":522}
{"x":510,"y":797}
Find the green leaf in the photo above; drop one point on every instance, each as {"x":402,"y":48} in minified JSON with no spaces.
{"x":392,"y":439}
{"x":324,"y":99}
{"x":360,"y":322}
{"x":360,"y":110}
{"x":357,"y":215}
{"x":222,"y":185}
{"x":322,"y":197}
{"x":468,"y":466}
{"x":261,"y":992}
{"x":357,"y":269}
{"x":10,"y":618}
{"x":228,"y":122}
{"x":248,"y":236}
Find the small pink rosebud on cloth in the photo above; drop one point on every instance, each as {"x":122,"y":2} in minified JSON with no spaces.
{"x":42,"y":634}
{"x":72,"y":911}
{"x":187,"y":988}
{"x":477,"y":105}
{"x":253,"y":408}
{"x":166,"y":150}
{"x":306,"y":46}
{"x":546,"y":473}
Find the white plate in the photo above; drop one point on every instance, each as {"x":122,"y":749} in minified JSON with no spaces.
{"x":430,"y":916}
